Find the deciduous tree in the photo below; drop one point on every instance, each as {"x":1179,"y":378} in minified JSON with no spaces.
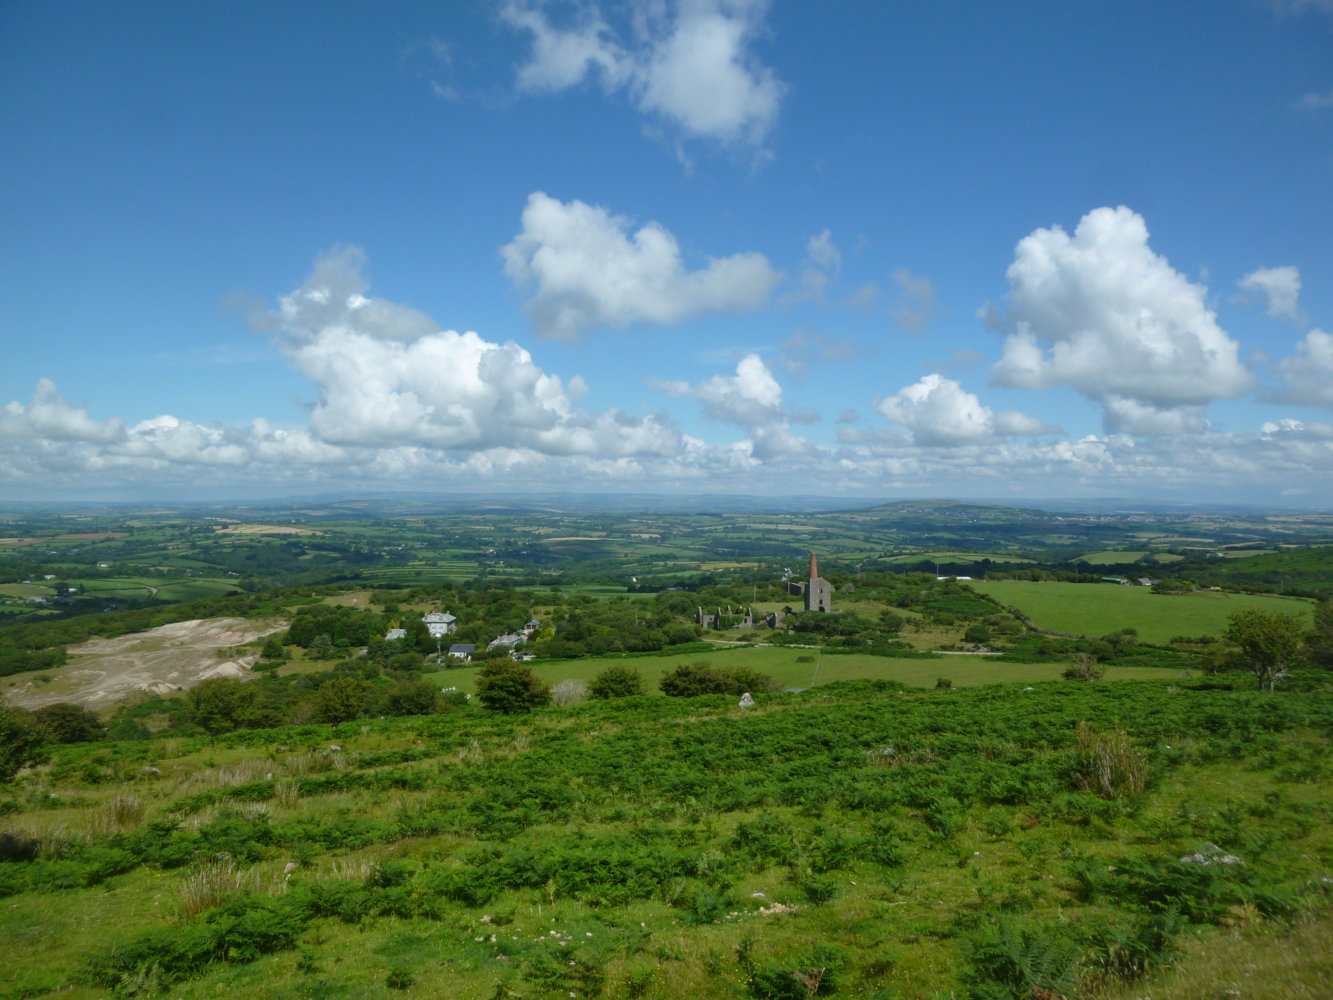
{"x":221,"y":704}
{"x":22,"y":741}
{"x":69,"y":723}
{"x":341,"y":699}
{"x":1319,"y":643}
{"x":1269,"y":642}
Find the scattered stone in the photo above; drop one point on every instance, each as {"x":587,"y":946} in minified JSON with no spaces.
{"x":1211,"y":854}
{"x":746,"y":701}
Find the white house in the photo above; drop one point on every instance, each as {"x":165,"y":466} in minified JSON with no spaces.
{"x":439,"y":623}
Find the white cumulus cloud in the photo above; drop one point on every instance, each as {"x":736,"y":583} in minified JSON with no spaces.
{"x":50,"y":417}
{"x":585,"y":268}
{"x":687,"y":62}
{"x":937,"y":411}
{"x":384,"y":381}
{"x":751,"y":398}
{"x":1308,"y":375}
{"x":1100,"y":311}
{"x":1280,"y":289}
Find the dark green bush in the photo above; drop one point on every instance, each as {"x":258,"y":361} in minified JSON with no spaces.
{"x":510,"y":687}
{"x":616,"y":682}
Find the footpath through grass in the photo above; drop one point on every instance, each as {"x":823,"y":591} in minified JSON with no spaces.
{"x":1097,"y":609}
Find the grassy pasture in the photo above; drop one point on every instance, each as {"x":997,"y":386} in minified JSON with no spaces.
{"x":803,"y":668}
{"x":25,"y":590}
{"x":1096,"y":609}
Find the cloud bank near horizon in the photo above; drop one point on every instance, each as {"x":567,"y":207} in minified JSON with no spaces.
{"x":397,"y":399}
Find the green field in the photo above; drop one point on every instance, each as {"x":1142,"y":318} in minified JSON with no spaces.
{"x":803,"y":668}
{"x":1095,"y":609}
{"x":25,"y":590}
{"x":1111,"y":558}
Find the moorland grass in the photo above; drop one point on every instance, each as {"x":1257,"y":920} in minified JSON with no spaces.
{"x":918,"y":842}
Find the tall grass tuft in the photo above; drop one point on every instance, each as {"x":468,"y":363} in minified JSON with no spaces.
{"x":1108,"y":764}
{"x":122,"y":812}
{"x":286,"y":795}
{"x":211,"y":885}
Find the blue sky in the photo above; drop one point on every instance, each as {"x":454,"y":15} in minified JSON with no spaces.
{"x":885,"y":250}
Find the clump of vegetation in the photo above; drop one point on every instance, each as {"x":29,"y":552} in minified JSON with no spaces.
{"x":1108,"y":764}
{"x":569,"y":692}
{"x":510,"y":687}
{"x":616,"y":682}
{"x":701,"y":677}
{"x":209,"y":885}
{"x":797,"y":977}
{"x":68,"y":723}
{"x":1083,"y":667}
{"x":23,"y":741}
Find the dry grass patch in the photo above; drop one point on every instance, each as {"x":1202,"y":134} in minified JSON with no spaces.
{"x":1268,"y":963}
{"x":116,"y":814}
{"x":240,"y":772}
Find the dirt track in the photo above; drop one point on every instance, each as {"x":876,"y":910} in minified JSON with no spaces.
{"x":162,"y":660}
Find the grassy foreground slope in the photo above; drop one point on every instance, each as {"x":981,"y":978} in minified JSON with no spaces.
{"x":858,"y":840}
{"x":1096,"y":609}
